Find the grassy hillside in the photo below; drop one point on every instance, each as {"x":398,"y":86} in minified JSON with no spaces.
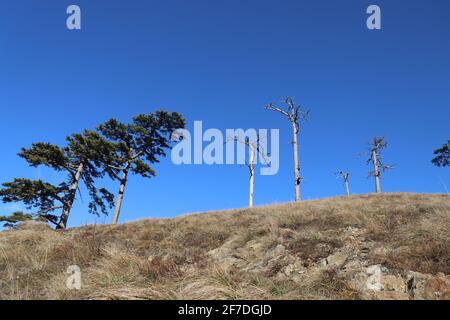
{"x":361,"y":247}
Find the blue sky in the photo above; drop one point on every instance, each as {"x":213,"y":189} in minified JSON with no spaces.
{"x":221,"y":62}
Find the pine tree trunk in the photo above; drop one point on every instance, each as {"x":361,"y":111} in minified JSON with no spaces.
{"x":73,"y":191}
{"x":252,"y":177}
{"x":376,"y":171}
{"x":123,"y":183}
{"x":347,"y":188}
{"x":296,"y":163}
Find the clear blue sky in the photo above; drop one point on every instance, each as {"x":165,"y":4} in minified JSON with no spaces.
{"x":221,"y":62}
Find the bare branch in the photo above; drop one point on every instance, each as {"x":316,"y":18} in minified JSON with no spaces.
{"x":271,"y":107}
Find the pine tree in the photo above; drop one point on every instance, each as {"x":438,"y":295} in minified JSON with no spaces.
{"x":83,"y":160}
{"x":442,"y":154}
{"x":137,"y":146}
{"x":38,"y":196}
{"x":11,"y":221}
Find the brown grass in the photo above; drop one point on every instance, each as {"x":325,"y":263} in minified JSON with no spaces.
{"x":170,"y":259}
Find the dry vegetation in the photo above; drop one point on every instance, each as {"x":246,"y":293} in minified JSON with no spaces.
{"x":230,"y":255}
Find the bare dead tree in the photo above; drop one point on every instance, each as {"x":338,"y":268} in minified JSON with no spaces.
{"x":295,"y":115}
{"x":254,"y":149}
{"x":345,"y":176}
{"x":375,"y":148}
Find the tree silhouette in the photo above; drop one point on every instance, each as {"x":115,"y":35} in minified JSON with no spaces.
{"x":137,"y":146}
{"x":82,"y":160}
{"x":442,"y":158}
{"x":41,"y":197}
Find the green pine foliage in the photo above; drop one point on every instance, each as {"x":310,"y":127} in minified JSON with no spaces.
{"x":85,"y":159}
{"x":442,"y":158}
{"x":14,"y":219}
{"x":141,"y":142}
{"x":138,"y":145}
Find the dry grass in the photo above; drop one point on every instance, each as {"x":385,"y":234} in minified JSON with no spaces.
{"x":170,"y":259}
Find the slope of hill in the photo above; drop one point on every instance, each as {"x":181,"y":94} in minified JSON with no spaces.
{"x":389,"y":246}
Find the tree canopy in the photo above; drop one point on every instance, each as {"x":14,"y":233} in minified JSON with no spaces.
{"x":38,"y":196}
{"x":442,"y":158}
{"x":138,"y":145}
{"x":82,"y":159}
{"x":12,"y":220}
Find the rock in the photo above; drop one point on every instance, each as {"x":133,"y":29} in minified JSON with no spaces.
{"x":380,"y":251}
{"x":294,"y":268}
{"x":393,"y":283}
{"x":227,"y":255}
{"x":276,"y":252}
{"x":357,"y":281}
{"x":256,"y":248}
{"x":426,"y":287}
{"x":336,"y":260}
{"x":374,"y":278}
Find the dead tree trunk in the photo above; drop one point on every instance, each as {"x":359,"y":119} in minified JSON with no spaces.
{"x":294,"y":114}
{"x":376,"y":147}
{"x":251,"y":167}
{"x":345,"y":176}
{"x":123,"y":183}
{"x":254,"y":152}
{"x":72,"y":193}
{"x":296,"y":162}
{"x":347,"y":188}
{"x":376,"y":171}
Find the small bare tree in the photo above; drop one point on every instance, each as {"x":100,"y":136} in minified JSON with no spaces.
{"x":254,"y":149}
{"x":345,"y":176}
{"x":375,"y":148}
{"x":294,"y":114}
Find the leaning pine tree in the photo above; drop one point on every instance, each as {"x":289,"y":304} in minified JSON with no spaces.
{"x":138,"y":145}
{"x":82,"y":160}
{"x":41,"y":198}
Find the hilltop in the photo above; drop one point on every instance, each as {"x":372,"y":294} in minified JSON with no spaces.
{"x":388,"y":246}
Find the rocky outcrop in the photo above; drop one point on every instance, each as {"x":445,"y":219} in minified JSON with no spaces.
{"x":350,"y":263}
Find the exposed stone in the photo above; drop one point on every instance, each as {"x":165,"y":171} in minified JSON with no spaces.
{"x":425,"y":286}
{"x":374,"y":278}
{"x":256,"y":248}
{"x":349,"y":262}
{"x":336,"y":260}
{"x":294,"y":268}
{"x":226,"y":255}
{"x":276,"y":252}
{"x":393,"y":283}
